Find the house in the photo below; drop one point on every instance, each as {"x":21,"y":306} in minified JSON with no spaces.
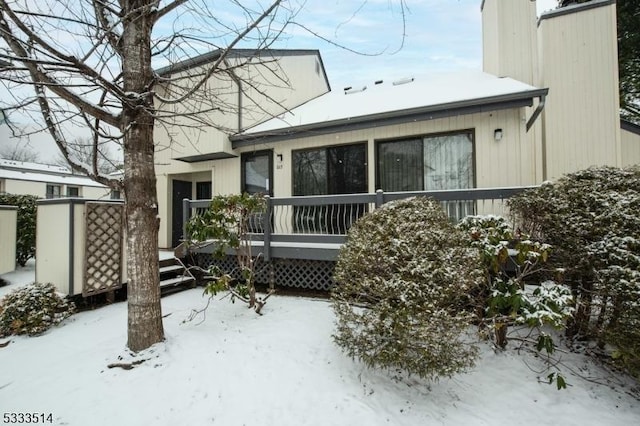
{"x":545,"y":104}
{"x":47,"y":181}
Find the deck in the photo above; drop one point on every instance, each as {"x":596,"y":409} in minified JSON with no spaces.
{"x":299,"y":238}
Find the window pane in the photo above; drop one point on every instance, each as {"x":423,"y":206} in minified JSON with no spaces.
{"x":347,"y":169}
{"x":448,"y":162}
{"x":400,"y":165}
{"x":53,"y":191}
{"x":310,"y":172}
{"x":203,"y":190}
{"x":256,"y":174}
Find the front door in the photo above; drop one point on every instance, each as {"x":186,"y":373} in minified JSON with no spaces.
{"x":257,"y":178}
{"x":181,"y":190}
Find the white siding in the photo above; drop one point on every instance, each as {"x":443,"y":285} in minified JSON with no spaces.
{"x":8,"y":238}
{"x":509,"y":162}
{"x":580,"y":120}
{"x":289,"y":82}
{"x":52,"y":246}
{"x":630,"y":148}
{"x":509,"y":39}
{"x":504,"y":163}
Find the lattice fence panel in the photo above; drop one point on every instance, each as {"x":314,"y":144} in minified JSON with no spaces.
{"x":103,"y":247}
{"x":297,"y":273}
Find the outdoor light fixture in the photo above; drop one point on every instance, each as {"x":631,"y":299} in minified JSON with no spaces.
{"x":497,"y":135}
{"x":279,"y":157}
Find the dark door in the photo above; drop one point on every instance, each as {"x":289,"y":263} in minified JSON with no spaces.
{"x":181,"y":190}
{"x":257,"y":178}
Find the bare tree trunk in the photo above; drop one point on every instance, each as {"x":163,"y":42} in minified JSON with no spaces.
{"x":145,"y":317}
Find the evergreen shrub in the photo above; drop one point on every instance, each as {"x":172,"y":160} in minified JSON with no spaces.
{"x":591,"y":218}
{"x":26,"y":226}
{"x":403,"y":280}
{"x":32,"y":310}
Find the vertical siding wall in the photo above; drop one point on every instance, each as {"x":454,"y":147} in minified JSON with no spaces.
{"x":8,"y":237}
{"x":173,"y":141}
{"x":503,"y":163}
{"x":53,"y":245}
{"x":510,"y":49}
{"x":509,"y":41}
{"x":580,"y":67}
{"x":630,"y":148}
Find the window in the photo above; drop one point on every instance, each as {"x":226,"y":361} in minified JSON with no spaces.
{"x":53,"y":191}
{"x":73,"y":191}
{"x":203,"y":190}
{"x":115,"y":194}
{"x":428,"y":163}
{"x":333,"y":170}
{"x":437,"y":162}
{"x":257,"y":174}
{"x":328,"y":171}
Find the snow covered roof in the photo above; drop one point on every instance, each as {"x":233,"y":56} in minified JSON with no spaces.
{"x":423,"y":97}
{"x":35,"y":172}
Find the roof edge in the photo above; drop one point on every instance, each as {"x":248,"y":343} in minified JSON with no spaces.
{"x":465,"y":107}
{"x":211,"y":56}
{"x":579,"y":7}
{"x":629,"y":126}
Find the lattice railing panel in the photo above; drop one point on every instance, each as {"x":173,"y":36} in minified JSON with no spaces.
{"x":297,"y":273}
{"x":103,"y":247}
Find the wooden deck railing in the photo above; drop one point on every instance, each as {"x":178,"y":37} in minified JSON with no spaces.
{"x":325,"y":219}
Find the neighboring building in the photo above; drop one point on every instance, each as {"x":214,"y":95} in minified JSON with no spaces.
{"x":46,"y":181}
{"x":546,"y":104}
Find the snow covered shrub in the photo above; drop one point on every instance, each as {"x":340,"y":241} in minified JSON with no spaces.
{"x":591,"y":218}
{"x":503,"y":301}
{"x":26,"y":226}
{"x":32,"y":309}
{"x":403,"y":279}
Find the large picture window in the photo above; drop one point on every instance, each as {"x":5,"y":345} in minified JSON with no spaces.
{"x":332,"y":170}
{"x":427,"y":163}
{"x":328,"y":171}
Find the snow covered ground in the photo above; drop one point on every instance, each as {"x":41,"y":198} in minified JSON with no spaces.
{"x":236,"y":368}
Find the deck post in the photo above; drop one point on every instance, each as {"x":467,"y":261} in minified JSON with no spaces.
{"x":185,"y":217}
{"x":266,"y":223}
{"x":379,"y":198}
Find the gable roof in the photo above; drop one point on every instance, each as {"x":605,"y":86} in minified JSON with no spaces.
{"x":214,"y":55}
{"x":425,"y":97}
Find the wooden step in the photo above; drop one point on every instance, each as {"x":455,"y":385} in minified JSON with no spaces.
{"x":182,"y":279}
{"x":171,"y":268}
{"x":174,"y":276}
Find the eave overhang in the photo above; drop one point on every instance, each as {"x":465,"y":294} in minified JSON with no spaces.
{"x":425,"y":113}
